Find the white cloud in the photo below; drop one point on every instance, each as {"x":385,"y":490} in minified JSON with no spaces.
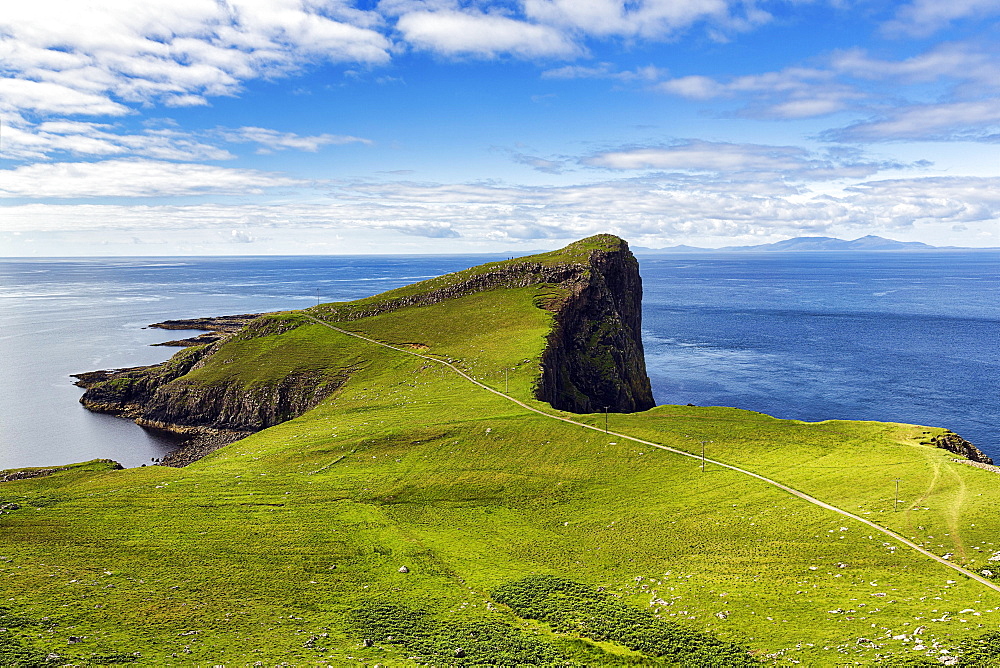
{"x":973,"y":120}
{"x":651,"y":19}
{"x":272,"y":140}
{"x":133,"y":178}
{"x":647,"y":208}
{"x":695,"y":87}
{"x":25,"y":141}
{"x":962,"y":76}
{"x":98,"y":58}
{"x":795,"y":92}
{"x":753,"y":161}
{"x":958,"y":62}
{"x":604,"y":71}
{"x":46,"y":97}
{"x":954,"y":200}
{"x":456,"y":33}
{"x":924,"y":17}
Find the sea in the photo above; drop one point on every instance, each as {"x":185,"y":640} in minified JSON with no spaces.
{"x":892,"y":336}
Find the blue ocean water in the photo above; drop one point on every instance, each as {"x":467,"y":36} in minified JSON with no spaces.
{"x":882,"y":336}
{"x":898,"y":337}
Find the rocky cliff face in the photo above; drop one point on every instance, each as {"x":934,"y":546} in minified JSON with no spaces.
{"x":952,"y":442}
{"x":593,"y":358}
{"x":163,"y":397}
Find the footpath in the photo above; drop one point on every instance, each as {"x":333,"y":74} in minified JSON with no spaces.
{"x":794,"y":492}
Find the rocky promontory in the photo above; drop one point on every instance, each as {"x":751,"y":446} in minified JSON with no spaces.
{"x":592,"y":361}
{"x":952,"y":442}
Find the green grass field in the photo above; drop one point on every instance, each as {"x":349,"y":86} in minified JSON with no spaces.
{"x":287,"y":546}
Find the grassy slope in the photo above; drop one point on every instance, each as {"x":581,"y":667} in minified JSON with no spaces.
{"x":276,"y":539}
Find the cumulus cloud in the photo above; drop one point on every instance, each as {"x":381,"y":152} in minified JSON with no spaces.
{"x":484,"y":35}
{"x":133,"y":178}
{"x":955,"y":200}
{"x":99,"y":60}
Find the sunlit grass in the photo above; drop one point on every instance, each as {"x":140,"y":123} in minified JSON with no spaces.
{"x":267,"y":549}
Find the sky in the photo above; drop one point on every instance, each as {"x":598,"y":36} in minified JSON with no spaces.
{"x":257,"y":127}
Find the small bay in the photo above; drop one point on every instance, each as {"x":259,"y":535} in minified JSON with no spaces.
{"x":906,"y":337}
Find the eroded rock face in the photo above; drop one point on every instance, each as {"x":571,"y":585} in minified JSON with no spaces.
{"x":952,"y":442}
{"x":594,"y":357}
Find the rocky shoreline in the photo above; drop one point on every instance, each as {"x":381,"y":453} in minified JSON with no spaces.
{"x":215,"y":329}
{"x":952,"y":442}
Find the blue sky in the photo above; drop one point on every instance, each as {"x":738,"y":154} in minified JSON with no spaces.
{"x":435,"y":126}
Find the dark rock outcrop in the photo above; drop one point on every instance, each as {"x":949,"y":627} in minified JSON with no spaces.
{"x":952,"y":442}
{"x":187,"y":404}
{"x":594,"y":357}
{"x":207,"y":415}
{"x":215,"y":329}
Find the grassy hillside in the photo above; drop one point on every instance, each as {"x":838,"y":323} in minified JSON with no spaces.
{"x":524,"y":539}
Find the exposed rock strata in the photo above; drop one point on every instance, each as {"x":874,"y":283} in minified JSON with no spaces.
{"x":215,"y":329}
{"x":207,"y":415}
{"x":952,"y":442}
{"x":593,"y":358}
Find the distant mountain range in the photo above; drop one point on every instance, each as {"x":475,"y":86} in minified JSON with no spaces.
{"x":868,"y":243}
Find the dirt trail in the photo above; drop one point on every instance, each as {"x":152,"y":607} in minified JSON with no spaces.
{"x":794,"y":492}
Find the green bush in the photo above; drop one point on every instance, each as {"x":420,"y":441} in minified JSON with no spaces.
{"x":982,"y":651}
{"x":459,"y":643}
{"x":572,"y":607}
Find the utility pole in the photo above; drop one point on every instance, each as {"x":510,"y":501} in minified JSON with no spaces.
{"x":895,"y":505}
{"x":703,"y":456}
{"x":605,"y":419}
{"x":506,"y":384}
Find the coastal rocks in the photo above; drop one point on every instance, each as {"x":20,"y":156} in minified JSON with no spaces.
{"x":125,"y":392}
{"x":215,"y":329}
{"x":207,"y":415}
{"x":233,"y":407}
{"x":952,"y":442}
{"x":27,"y":473}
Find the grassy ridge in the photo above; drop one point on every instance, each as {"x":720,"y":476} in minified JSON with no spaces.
{"x":279,"y":547}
